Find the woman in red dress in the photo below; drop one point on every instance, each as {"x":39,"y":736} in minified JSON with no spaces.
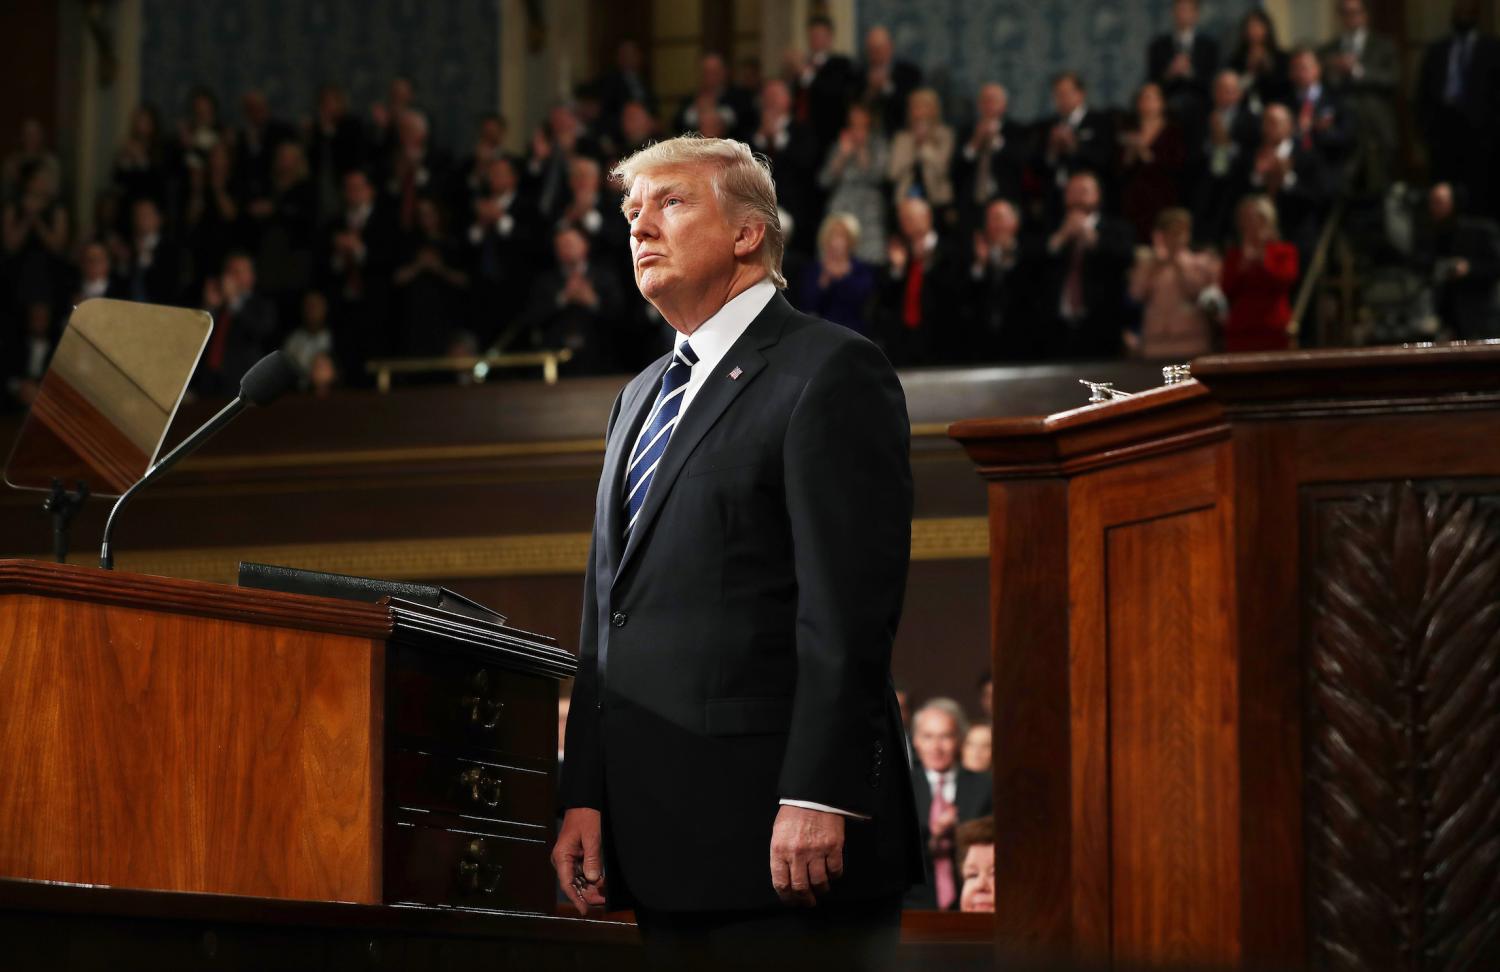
{"x":1257,"y":279}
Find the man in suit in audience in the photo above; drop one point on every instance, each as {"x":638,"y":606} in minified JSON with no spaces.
{"x":1000,"y":304}
{"x":1456,"y":102}
{"x":991,"y":158}
{"x":792,"y":148}
{"x":1083,"y":275}
{"x":358,"y":257}
{"x":1363,"y":68}
{"x":623,"y":84}
{"x":244,"y":327}
{"x":946,"y":796}
{"x":153,"y":267}
{"x":735,"y":768}
{"x":1075,"y":139}
{"x":1183,"y":63}
{"x":882,"y":82}
{"x":1462,"y":256}
{"x":824,"y":86}
{"x":575,"y":305}
{"x":1293,"y":176}
{"x":919,"y":322}
{"x":1221,"y":159}
{"x":1320,"y":121}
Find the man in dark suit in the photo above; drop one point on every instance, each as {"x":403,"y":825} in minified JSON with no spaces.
{"x":1456,"y":104}
{"x":1221,"y":159}
{"x":576,"y":305}
{"x":1183,"y":63}
{"x":919,"y":323}
{"x":1075,"y":139}
{"x":244,"y":327}
{"x":824,"y":86}
{"x":1461,"y":254}
{"x":792,"y":149}
{"x":623,"y":84}
{"x":1083,"y":286}
{"x":358,"y":256}
{"x":999,"y":309}
{"x":946,"y":796}
{"x":1294,"y":177}
{"x":882,"y":83}
{"x":255,"y":145}
{"x":735,"y":768}
{"x":1363,"y":68}
{"x":1320,"y":121}
{"x":990,"y":160}
{"x":153,"y":268}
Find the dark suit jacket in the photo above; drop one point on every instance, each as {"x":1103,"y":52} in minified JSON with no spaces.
{"x":827,"y":99}
{"x":974,"y":797}
{"x":1467,"y":304}
{"x":1007,"y":167}
{"x":736,"y":651}
{"x":889,"y":106}
{"x":1205,"y":58}
{"x":1097,"y":335}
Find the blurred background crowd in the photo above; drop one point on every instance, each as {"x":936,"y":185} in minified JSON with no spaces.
{"x":1194,"y":217}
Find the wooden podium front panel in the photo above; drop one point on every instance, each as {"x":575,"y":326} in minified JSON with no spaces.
{"x":1155,"y":753}
{"x":158,"y":750}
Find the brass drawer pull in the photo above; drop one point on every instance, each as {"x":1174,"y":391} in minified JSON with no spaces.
{"x":480,"y":710}
{"x":474,"y":875}
{"x":480,"y":788}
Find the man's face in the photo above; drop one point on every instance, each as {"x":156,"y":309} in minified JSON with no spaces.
{"x":1001,"y":222}
{"x":635,"y":122}
{"x":976,"y":754}
{"x":314,"y":310}
{"x":1440,"y":202}
{"x":775,"y":99}
{"x":935,"y":737}
{"x":629,"y":56}
{"x":1276,"y":125}
{"x":1352,"y":14}
{"x":241,"y":270}
{"x":255,"y":108}
{"x":357,"y":190}
{"x":680,"y":239}
{"x":878,"y":46}
{"x":1185,"y":14}
{"x":501,"y":176}
{"x":992,"y":102}
{"x":711,"y":72}
{"x":1082,"y":194}
{"x":570,"y":248}
{"x":491,"y":132}
{"x":978,"y":894}
{"x":145,"y":218}
{"x":1305,"y":70}
{"x":400,"y":93}
{"x":583,"y":178}
{"x":819,"y":38}
{"x":915,"y":217}
{"x":1226,"y":89}
{"x":1066,"y":97}
{"x":95,"y":261}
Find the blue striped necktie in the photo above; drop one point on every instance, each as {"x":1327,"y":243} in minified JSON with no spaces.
{"x":652,"y":444}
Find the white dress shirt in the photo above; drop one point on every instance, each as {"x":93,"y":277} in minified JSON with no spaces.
{"x":711,"y":341}
{"x":945,"y":782}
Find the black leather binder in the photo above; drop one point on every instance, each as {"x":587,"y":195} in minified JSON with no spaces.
{"x":292,"y":580}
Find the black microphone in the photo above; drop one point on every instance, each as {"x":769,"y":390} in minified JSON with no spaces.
{"x":267,"y":380}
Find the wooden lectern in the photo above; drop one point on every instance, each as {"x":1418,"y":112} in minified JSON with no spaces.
{"x":178,"y":736}
{"x":1246,"y":648}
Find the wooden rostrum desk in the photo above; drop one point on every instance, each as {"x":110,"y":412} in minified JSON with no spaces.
{"x":171,"y":735}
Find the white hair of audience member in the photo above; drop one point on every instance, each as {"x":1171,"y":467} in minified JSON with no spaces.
{"x":742,"y":184}
{"x":946,"y":706}
{"x":834,"y":222}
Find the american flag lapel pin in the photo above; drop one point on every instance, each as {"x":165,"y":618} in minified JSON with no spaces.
{"x":735,"y":374}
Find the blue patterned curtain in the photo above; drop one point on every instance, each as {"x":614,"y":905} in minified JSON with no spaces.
{"x":286,"y":48}
{"x":959,"y":44}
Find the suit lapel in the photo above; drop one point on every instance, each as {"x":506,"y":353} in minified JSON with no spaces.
{"x":611,"y":509}
{"x":717,"y":393}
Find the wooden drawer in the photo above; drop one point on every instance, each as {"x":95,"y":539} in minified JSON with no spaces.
{"x":461,"y":705}
{"x":472,"y":788}
{"x":435,"y":866}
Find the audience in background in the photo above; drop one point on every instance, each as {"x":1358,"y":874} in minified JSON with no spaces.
{"x":976,"y":855}
{"x":976,"y":752}
{"x":978,"y":236}
{"x":946,"y":795}
{"x":1171,"y":282}
{"x":1461,"y":255}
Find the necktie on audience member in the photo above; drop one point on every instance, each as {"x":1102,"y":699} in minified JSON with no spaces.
{"x":652,"y":443}
{"x":942,"y":855}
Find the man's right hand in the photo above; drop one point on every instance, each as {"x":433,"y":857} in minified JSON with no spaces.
{"x":578,"y":859}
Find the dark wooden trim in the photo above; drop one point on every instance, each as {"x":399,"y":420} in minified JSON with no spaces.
{"x":195,"y":598}
{"x":1402,"y":375}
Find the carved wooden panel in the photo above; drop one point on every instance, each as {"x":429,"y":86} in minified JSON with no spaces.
{"x":1402,"y":689}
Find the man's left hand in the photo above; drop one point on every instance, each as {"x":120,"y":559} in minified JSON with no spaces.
{"x":807,"y":854}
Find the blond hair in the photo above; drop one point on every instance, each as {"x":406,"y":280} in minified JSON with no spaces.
{"x":1265,"y":209}
{"x":834,"y":222}
{"x":741,"y":179}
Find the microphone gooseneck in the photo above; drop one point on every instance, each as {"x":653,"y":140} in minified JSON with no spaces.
{"x":267,"y":380}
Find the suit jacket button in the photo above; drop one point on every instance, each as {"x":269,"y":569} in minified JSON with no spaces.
{"x":618,"y":619}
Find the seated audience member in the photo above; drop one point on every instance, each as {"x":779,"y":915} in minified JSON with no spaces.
{"x":1001,"y":292}
{"x":946,"y":796}
{"x":1260,"y":62}
{"x":311,"y":338}
{"x":823,"y":84}
{"x":152,"y":269}
{"x":1294,"y":178}
{"x":1169,"y":280}
{"x":244,"y":327}
{"x":838,"y":286}
{"x":991,"y":159}
{"x":573,"y":306}
{"x":922,"y":153}
{"x":1319,"y":121}
{"x":25,"y":360}
{"x":431,"y":285}
{"x":792,"y":149}
{"x":96,"y":277}
{"x":976,"y":752}
{"x":1152,"y":155}
{"x":1182,"y":63}
{"x":882,"y":83}
{"x":596,"y":215}
{"x":1363,"y":68}
{"x":854,"y":178}
{"x":1223,"y":158}
{"x":1076,"y":139}
{"x":918,"y":298}
{"x":502,"y":237}
{"x":1462,"y":256}
{"x":1083,"y":277}
{"x":976,"y":856}
{"x":1257,"y":279}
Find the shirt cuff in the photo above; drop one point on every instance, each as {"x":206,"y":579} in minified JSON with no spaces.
{"x":805,"y":805}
